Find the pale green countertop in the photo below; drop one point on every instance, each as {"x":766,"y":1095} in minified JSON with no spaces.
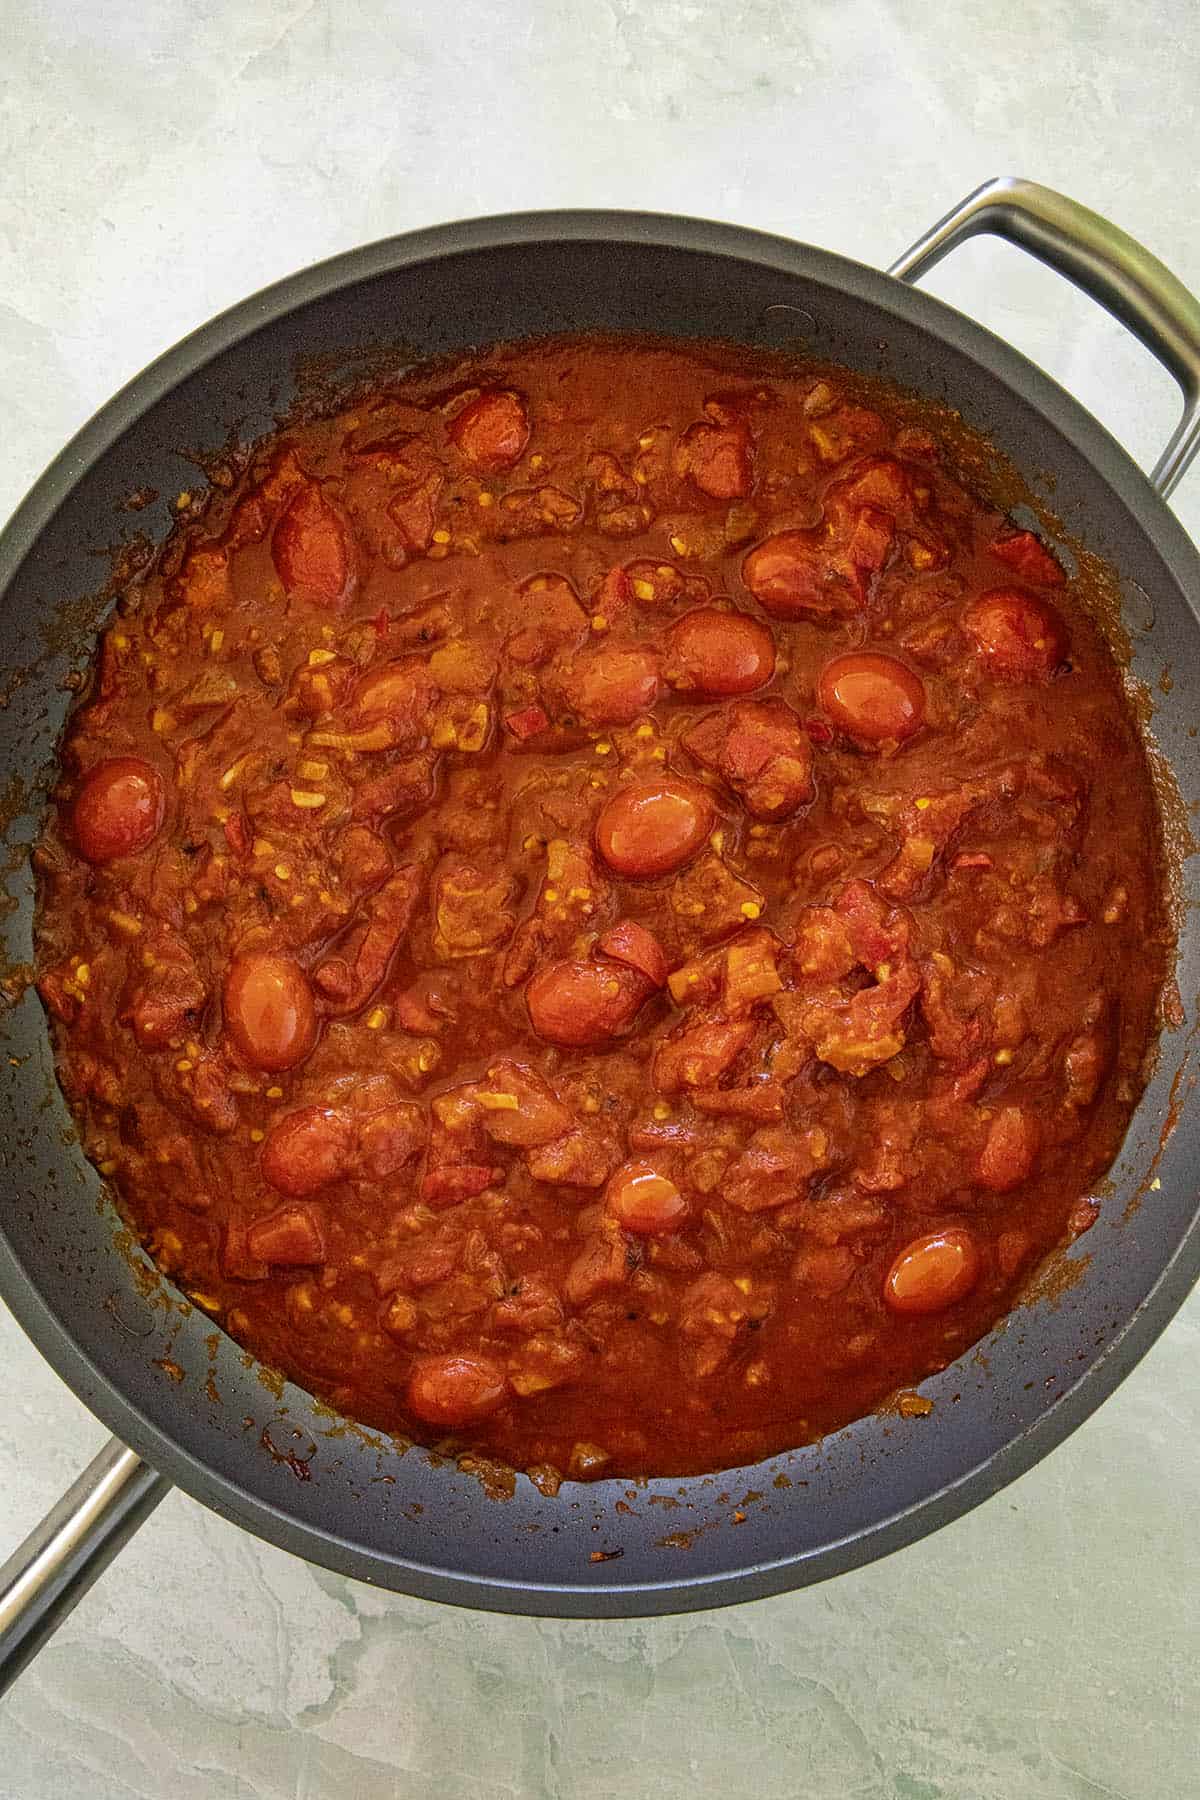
{"x":157,"y":164}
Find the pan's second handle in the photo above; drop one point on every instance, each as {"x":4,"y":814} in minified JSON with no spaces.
{"x":75,"y":1542}
{"x":1102,"y":260}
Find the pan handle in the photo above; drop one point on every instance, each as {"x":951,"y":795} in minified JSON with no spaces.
{"x":75,"y":1542}
{"x":1106,"y":263}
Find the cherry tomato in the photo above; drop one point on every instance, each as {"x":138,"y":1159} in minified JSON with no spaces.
{"x":492,"y":431}
{"x":654,"y":827}
{"x":933,"y":1272}
{"x":872,"y":697}
{"x":578,"y":1003}
{"x":311,"y":550}
{"x":718,"y":653}
{"x":456,"y":1390}
{"x":645,"y":1202}
{"x":1021,"y":638}
{"x":269,"y":1010}
{"x":118,"y":810}
{"x":306,"y":1151}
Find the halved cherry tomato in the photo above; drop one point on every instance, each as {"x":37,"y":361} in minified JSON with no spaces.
{"x":492,"y":431}
{"x":933,"y":1271}
{"x":578,"y":1003}
{"x":269,"y":1010}
{"x":456,"y":1390}
{"x":654,"y":827}
{"x":714,"y":653}
{"x":872,"y":697}
{"x":118,"y":810}
{"x":644,"y":1201}
{"x":1021,"y":638}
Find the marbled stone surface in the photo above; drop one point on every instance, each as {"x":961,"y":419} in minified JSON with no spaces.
{"x":158,"y":163}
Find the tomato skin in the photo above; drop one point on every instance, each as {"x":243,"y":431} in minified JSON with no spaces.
{"x":873,"y":698}
{"x":269,"y":1011}
{"x":307,"y":1150}
{"x":654,"y":827}
{"x":630,"y":943}
{"x":644,"y":1201}
{"x":933,"y":1272}
{"x":582,"y":1003}
{"x":716,"y":653}
{"x":118,"y":810}
{"x":311,"y":550}
{"x":1019,"y":637}
{"x":492,"y":431}
{"x":456,"y":1390}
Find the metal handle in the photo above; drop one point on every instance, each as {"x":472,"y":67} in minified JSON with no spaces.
{"x":1106,"y":263}
{"x":59,"y":1560}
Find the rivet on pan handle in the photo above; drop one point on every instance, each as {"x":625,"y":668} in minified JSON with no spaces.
{"x":75,"y":1542}
{"x":1106,"y":263}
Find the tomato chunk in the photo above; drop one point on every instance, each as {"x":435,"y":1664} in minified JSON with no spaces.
{"x":714,"y":653}
{"x":719,"y":459}
{"x":456,"y":1390}
{"x":118,"y":810}
{"x":269,"y":1011}
{"x":578,"y":1003}
{"x":289,"y":1236}
{"x":794,"y":573}
{"x":1020,"y":638}
{"x":614,"y":686}
{"x":762,"y":750}
{"x":872,"y":697}
{"x":654,"y":827}
{"x":492,"y":431}
{"x":933,"y":1272}
{"x":312,"y":551}
{"x":308,"y":1150}
{"x":1011,"y":1149}
{"x":1027,"y":556}
{"x":644,"y":1201}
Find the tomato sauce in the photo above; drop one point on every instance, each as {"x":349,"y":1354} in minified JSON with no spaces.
{"x":603,"y":910}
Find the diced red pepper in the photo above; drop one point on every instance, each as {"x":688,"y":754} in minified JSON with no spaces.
{"x":527,"y":722}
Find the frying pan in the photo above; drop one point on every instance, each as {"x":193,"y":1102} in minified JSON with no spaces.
{"x":186,"y":1406}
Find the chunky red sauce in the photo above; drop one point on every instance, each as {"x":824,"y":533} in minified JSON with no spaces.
{"x":603,"y":908}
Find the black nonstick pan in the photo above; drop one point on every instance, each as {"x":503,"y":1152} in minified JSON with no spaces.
{"x":185,"y":1406}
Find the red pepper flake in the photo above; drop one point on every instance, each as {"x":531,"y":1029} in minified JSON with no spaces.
{"x":739,"y":1518}
{"x":381,"y":621}
{"x":599,"y":1556}
{"x":819,"y":732}
{"x":236,"y":834}
{"x":527,"y":722}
